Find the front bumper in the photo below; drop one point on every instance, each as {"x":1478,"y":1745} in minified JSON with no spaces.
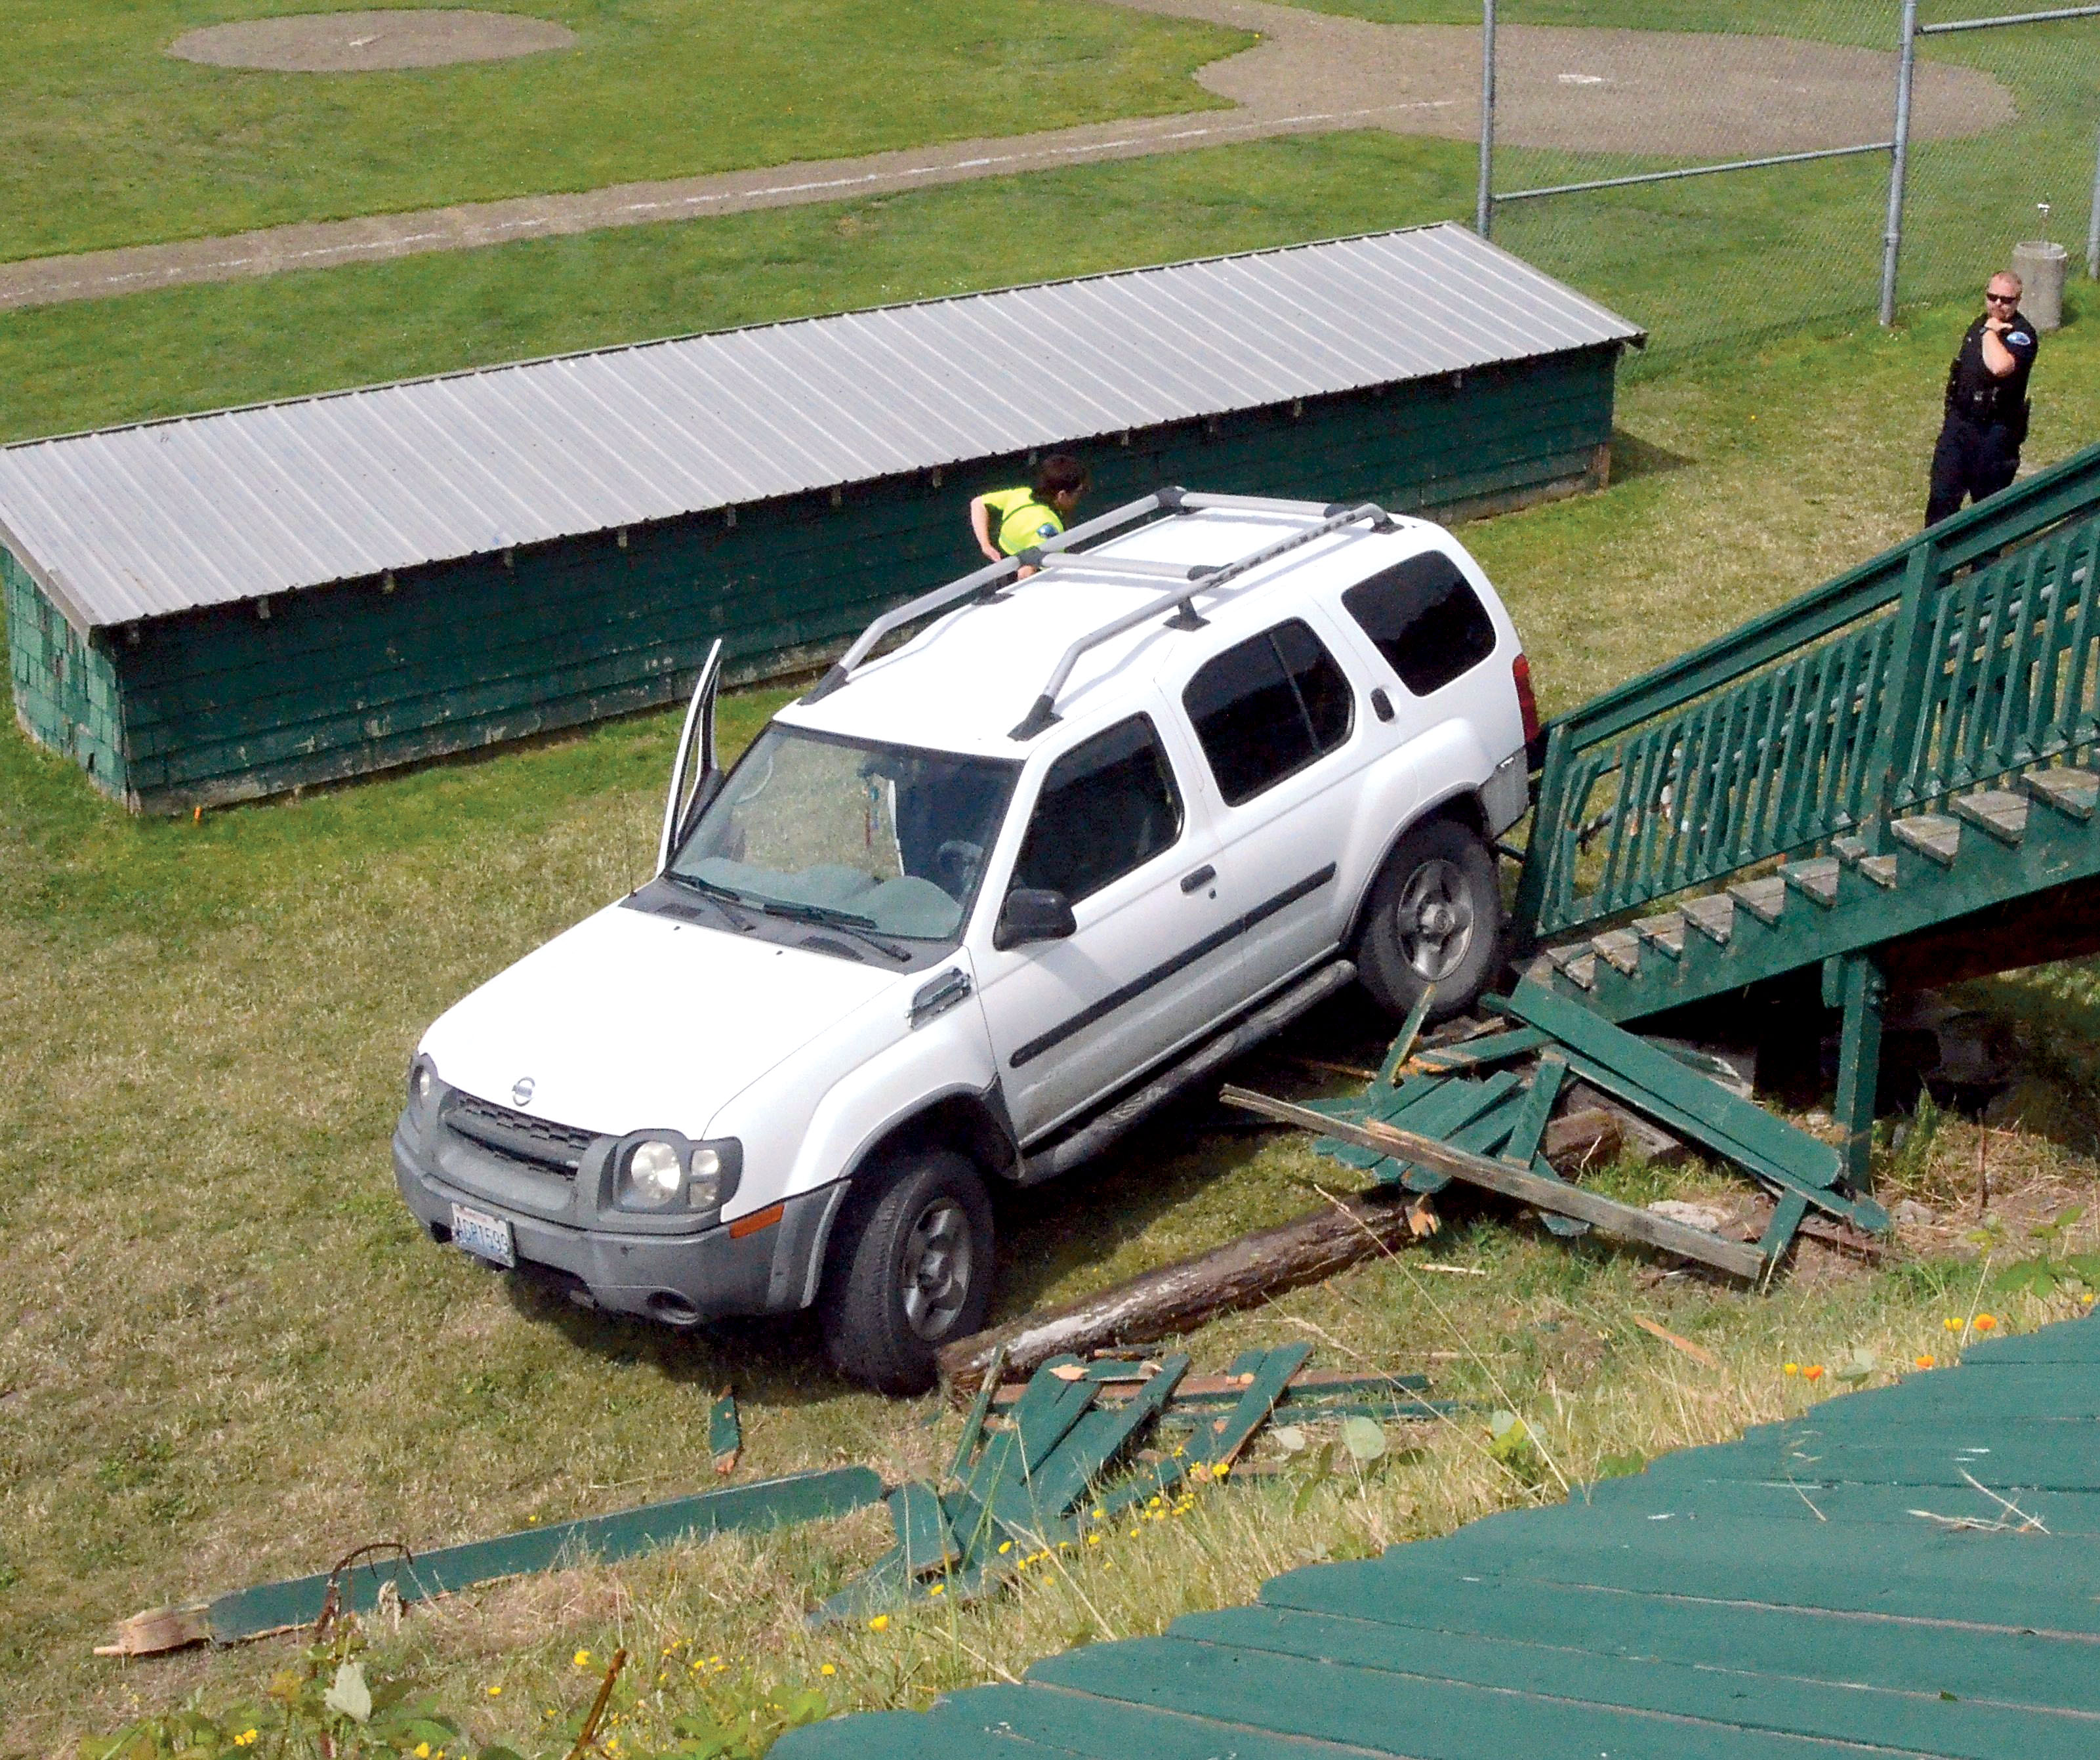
{"x":681,"y":1279}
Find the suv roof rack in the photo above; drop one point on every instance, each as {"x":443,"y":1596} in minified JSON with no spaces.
{"x":1061,"y":553}
{"x":1204,"y":577}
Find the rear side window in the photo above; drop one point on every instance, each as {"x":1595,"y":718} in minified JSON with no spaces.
{"x":1108,"y":805}
{"x":1267,"y":707}
{"x":1426,"y":619}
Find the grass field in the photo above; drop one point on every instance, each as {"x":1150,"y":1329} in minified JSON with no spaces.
{"x":113,"y":142}
{"x":233,"y":1356}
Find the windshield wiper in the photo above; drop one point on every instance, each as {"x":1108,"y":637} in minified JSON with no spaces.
{"x":833,"y":918}
{"x":720,"y":896}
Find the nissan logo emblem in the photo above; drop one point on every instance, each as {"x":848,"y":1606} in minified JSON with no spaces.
{"x":521,"y":1091}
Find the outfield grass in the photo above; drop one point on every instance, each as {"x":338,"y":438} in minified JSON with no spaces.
{"x":113,"y":142}
{"x":232,"y":1355}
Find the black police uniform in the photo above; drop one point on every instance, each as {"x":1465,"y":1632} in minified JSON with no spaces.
{"x":1987,"y":419}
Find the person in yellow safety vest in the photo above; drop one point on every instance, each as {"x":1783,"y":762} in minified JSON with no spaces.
{"x":1009,"y":520}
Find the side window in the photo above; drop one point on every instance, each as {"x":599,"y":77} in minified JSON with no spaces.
{"x":1426,"y":619}
{"x":1267,"y":707}
{"x":1107,"y":805}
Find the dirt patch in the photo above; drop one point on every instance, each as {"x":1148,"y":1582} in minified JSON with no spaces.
{"x":1683,"y":94}
{"x":365,"y":42}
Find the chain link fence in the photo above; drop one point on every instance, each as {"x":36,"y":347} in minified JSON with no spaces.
{"x":1785,"y":114}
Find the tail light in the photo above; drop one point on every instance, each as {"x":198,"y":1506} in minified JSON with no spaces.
{"x":1520,"y":677}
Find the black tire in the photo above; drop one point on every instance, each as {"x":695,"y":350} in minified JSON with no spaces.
{"x":911,"y":1269}
{"x":1434,"y":916}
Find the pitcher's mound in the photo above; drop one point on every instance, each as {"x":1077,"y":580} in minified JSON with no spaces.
{"x":358,"y":42}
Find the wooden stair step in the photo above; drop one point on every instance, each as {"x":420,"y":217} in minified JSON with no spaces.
{"x":2071,"y":792}
{"x":2001,"y":814}
{"x":1666,"y":933}
{"x":1713,"y":917}
{"x":1764,"y":899}
{"x":1619,"y":948}
{"x":1815,"y":880}
{"x":1933,"y":835}
{"x":1858,"y":854}
{"x":1577,"y":965}
{"x":1541,"y":970}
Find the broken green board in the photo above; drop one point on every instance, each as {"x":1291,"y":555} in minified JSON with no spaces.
{"x":771,"y":1503}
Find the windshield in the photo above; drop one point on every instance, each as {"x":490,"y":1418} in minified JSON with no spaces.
{"x":886,"y":838}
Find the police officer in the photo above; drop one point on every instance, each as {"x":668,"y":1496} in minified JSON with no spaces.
{"x":1009,"y":520}
{"x":1986,"y":404}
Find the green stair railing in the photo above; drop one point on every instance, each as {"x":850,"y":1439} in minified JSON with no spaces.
{"x":1965,"y":654}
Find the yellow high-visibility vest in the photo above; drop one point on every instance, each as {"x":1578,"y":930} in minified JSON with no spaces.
{"x":1018,"y":520}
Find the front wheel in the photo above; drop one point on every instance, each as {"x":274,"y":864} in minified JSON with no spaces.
{"x":911,"y":1271}
{"x":1436,"y":917}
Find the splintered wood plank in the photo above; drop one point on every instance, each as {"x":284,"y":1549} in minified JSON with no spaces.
{"x":2009,"y":1668}
{"x":1096,"y":1441}
{"x":1482,"y":1053}
{"x":1554,"y":1194}
{"x":1713,"y":916}
{"x":924,"y":1538}
{"x":1764,"y":899}
{"x":1932,"y":835}
{"x":1675,"y":1684}
{"x":1483,"y":1135}
{"x":2071,"y":792}
{"x":1996,"y":812}
{"x":1816,"y":880}
{"x":1384,"y":1713}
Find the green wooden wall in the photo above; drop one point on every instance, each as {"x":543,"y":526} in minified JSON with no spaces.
{"x":66,"y":694}
{"x":229,"y":704}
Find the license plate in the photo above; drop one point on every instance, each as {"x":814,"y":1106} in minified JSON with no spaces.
{"x":485,"y":1237}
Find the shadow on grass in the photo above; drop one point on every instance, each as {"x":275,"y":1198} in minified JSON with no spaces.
{"x":1632,"y":458}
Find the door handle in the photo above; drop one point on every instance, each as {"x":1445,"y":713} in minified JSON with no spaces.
{"x":1202,"y":877}
{"x":1381,"y":705}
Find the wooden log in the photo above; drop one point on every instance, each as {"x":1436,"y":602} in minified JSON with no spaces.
{"x":1179,"y":1296}
{"x":1520,"y":1184}
{"x":1582,"y":1139}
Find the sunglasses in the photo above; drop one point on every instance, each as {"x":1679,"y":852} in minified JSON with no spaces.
{"x":2002,"y":299}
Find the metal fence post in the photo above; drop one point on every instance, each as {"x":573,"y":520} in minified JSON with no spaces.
{"x":1484,"y":205}
{"x":2093,"y":224}
{"x":1898,"y":163}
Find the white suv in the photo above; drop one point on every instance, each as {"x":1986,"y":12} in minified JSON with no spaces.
{"x":968,"y":909}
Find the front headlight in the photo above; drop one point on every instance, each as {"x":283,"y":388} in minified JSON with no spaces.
{"x":653,"y":1176}
{"x":704,"y":1190}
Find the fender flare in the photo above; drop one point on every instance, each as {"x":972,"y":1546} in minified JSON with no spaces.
{"x":1462,"y":803}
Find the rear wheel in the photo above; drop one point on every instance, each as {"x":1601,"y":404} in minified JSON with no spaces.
{"x":1436,"y":917}
{"x":910,"y":1271}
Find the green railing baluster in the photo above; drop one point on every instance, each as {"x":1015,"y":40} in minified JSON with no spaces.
{"x":2077,"y":725}
{"x":1883,"y":689}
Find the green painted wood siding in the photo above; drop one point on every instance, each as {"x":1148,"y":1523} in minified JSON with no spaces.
{"x":65,"y":689}
{"x":229,"y":704}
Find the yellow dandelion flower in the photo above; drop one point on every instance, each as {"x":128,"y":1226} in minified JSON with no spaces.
{"x":1006,"y":1545}
{"x":1102,"y":1515}
{"x":1952,"y":1324}
{"x":495,"y":1692}
{"x":581,"y":1659}
{"x":1790,"y":1368}
{"x":938,"y":1589}
{"x":1221,"y":1468}
{"x":1093,"y":1540}
{"x":828,"y":1668}
{"x":423,"y":1751}
{"x":879,"y":1623}
{"x":245,"y":1739}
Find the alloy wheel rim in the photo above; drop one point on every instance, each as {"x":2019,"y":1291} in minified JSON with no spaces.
{"x":935,"y":1276}
{"x":1435,"y":919}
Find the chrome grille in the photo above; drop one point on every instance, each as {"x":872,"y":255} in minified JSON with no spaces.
{"x":517,"y":1135}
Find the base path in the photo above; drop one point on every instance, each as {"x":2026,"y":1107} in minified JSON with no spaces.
{"x":1669,"y":93}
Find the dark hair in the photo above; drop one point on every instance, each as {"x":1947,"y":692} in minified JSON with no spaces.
{"x":1060,"y":473}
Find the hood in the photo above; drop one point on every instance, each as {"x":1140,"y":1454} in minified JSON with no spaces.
{"x":630,"y":1021}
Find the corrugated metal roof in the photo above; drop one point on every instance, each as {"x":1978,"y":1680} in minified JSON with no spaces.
{"x":167,"y":516}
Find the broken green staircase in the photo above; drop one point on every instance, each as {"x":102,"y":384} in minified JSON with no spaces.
{"x":1884,"y":779}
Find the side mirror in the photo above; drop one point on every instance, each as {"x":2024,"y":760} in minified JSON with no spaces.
{"x":1033,"y":913}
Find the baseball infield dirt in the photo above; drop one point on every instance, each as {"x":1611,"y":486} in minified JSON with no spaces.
{"x":362,"y":43}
